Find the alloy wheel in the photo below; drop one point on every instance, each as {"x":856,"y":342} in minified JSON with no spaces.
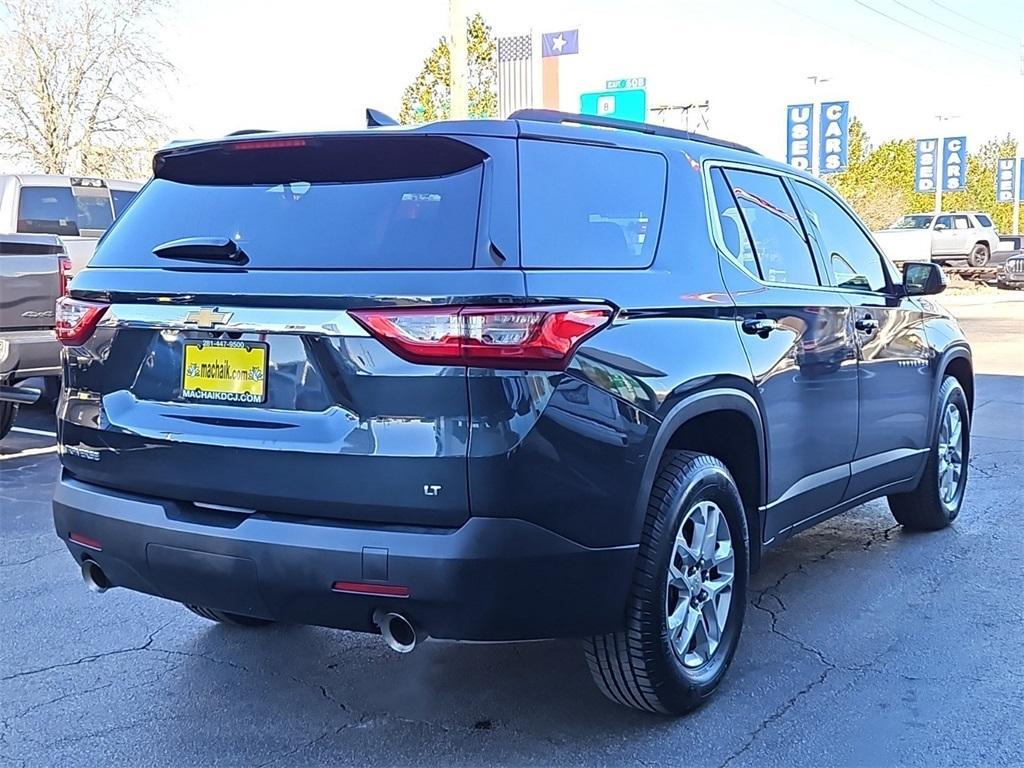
{"x":951,"y":450}
{"x":700,"y":581}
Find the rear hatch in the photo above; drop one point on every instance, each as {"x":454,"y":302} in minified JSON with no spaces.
{"x":225,"y":368}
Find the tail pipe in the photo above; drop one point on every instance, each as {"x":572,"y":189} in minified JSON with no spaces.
{"x":94,"y":577}
{"x":398,"y":632}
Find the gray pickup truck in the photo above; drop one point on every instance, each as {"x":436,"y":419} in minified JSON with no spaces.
{"x":34,"y":271}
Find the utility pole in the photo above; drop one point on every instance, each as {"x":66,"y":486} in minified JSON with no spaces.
{"x":940,"y":178}
{"x":458,"y":105}
{"x":816,"y":80}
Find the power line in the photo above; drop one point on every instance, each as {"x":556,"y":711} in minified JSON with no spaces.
{"x":949,"y":26}
{"x":955,"y":12}
{"x":912,"y":28}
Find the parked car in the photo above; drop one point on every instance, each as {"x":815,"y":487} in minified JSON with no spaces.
{"x":449,"y":381}
{"x":76,"y":208}
{"x":1011,"y":274}
{"x":34,"y":271}
{"x":944,"y":237}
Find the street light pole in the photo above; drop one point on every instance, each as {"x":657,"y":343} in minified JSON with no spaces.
{"x":458,"y":104}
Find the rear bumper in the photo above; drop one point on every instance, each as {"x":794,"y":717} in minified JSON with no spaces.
{"x":24,"y":354}
{"x":491,"y":579}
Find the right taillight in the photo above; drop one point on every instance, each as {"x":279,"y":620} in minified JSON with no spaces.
{"x":75,"y":320}
{"x":528,"y":337}
{"x":64,"y":267}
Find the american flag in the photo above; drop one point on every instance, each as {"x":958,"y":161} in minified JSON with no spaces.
{"x":515,"y":74}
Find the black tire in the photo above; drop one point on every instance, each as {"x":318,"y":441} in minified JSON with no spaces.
{"x":223,"y":617}
{"x":924,"y":509}
{"x":8,"y":413}
{"x":979,"y":255}
{"x":638,"y":667}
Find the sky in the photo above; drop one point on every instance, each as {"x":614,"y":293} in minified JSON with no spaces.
{"x":316,"y":64}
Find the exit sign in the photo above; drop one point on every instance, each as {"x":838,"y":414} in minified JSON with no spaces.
{"x":626,"y":82}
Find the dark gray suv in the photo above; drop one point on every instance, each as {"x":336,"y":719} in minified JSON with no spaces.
{"x":550,"y":376}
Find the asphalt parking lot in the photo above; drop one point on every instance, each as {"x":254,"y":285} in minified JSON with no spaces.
{"x":863,"y":645}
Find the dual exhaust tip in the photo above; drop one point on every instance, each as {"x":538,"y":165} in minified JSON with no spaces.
{"x":398,"y":632}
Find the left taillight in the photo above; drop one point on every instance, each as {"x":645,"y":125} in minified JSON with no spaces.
{"x":64,"y":267}
{"x":529,"y":337}
{"x":74,"y":320}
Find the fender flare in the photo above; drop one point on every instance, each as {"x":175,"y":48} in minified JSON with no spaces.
{"x":691,"y":406}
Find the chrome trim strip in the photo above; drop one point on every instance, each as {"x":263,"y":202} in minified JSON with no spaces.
{"x":321,"y":322}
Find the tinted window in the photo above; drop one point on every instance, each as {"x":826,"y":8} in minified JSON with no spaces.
{"x":734,"y":231}
{"x":851,"y":258}
{"x":62,"y":211}
{"x":944,"y":221}
{"x":588,"y":206}
{"x":396,"y":224}
{"x":121,"y":198}
{"x":961,"y":222}
{"x":779,"y":244}
{"x":984,"y":220}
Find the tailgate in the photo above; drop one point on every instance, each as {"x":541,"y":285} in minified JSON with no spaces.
{"x":29,"y":281}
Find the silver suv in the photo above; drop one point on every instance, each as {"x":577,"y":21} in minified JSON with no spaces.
{"x":941,"y":237}
{"x":76,"y":208}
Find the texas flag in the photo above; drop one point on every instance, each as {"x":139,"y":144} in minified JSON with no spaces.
{"x":560,"y":43}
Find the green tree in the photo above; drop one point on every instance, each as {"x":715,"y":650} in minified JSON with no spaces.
{"x":879,"y":181}
{"x":428,"y":96}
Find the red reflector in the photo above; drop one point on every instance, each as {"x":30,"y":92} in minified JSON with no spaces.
{"x":75,"y":320}
{"x":64,"y":267}
{"x":85,"y":541}
{"x":531,"y":337}
{"x":359,"y":588}
{"x":266,"y":144}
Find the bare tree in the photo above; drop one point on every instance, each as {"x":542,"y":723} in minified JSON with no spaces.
{"x":74,"y":76}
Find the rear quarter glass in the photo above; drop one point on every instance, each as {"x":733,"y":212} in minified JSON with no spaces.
{"x":350,"y":203}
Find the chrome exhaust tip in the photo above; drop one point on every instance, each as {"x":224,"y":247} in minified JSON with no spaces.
{"x":397,"y":631}
{"x":94,"y":577}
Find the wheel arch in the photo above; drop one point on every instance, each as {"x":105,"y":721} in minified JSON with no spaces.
{"x":955,"y":362}
{"x":725,"y":423}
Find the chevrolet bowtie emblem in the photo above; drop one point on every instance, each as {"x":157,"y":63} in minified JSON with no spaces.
{"x":207,"y":318}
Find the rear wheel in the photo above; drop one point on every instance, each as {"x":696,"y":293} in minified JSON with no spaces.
{"x":685,"y":613}
{"x":8,"y":413}
{"x":223,"y":617}
{"x":936,"y":501}
{"x":979,"y":255}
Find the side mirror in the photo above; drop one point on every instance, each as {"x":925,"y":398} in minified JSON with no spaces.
{"x":922,"y":278}
{"x":940,"y":227}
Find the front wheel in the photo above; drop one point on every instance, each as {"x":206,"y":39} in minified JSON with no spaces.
{"x":8,"y":413}
{"x":979,"y":255}
{"x":685,"y":613}
{"x":936,"y":501}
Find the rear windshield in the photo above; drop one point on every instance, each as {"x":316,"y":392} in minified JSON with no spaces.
{"x":63,"y":211}
{"x":365,"y":223}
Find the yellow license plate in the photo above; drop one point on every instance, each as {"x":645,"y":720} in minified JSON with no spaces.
{"x":225,"y":371}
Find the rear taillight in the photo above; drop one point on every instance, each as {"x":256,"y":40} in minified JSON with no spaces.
{"x":536,"y":337}
{"x":76,"y":320}
{"x":64,"y":272}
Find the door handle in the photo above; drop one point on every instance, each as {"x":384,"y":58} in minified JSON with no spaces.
{"x":868,"y":324}
{"x":759,"y":326}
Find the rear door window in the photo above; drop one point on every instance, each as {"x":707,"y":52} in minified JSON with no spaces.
{"x":780,"y":244}
{"x":589,"y":207}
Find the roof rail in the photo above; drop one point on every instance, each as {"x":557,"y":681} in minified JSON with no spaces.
{"x":554,"y":116}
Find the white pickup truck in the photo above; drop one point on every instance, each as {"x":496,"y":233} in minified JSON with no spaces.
{"x":955,"y":236}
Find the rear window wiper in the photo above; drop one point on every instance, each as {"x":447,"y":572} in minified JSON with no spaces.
{"x":203,"y":249}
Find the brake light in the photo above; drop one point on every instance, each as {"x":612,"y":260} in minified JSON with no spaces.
{"x":76,"y":320}
{"x":64,"y":267}
{"x":241,"y":146}
{"x":536,"y":337}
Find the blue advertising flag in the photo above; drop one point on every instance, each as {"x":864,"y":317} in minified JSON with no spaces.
{"x":1006,"y":179}
{"x":560,"y":43}
{"x":834,"y":136}
{"x":925,"y":164}
{"x":799,"y":137}
{"x":954,"y":163}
